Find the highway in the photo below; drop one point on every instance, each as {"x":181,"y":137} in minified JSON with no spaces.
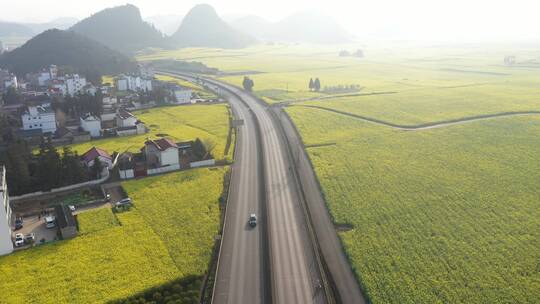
{"x":241,"y":276}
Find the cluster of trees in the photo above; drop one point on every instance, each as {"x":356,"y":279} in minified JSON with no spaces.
{"x":342,"y":88}
{"x":11,"y":96}
{"x":183,"y":291}
{"x":358,"y":53}
{"x":159,"y":94}
{"x":248,"y":84}
{"x":202,"y":150}
{"x":80,"y":104}
{"x":46,"y":170}
{"x":314,"y":85}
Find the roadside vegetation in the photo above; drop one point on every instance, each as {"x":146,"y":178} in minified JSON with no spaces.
{"x":164,"y":239}
{"x":444,"y":215}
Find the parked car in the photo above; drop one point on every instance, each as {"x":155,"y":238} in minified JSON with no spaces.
{"x":50,"y":222}
{"x":108,"y":197}
{"x":123,"y":202}
{"x":71,"y":208}
{"x":19,"y":239}
{"x":30,"y":238}
{"x":252,"y":220}
{"x":18,"y":223}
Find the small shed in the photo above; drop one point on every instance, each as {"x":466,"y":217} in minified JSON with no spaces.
{"x":66,"y":222}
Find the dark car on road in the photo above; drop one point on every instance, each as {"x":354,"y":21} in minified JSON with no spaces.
{"x":18,"y":223}
{"x":252,"y":220}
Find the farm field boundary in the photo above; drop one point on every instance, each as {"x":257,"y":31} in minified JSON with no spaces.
{"x":426,"y":126}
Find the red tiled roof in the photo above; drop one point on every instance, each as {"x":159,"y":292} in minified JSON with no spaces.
{"x":162,"y":144}
{"x":93,"y":153}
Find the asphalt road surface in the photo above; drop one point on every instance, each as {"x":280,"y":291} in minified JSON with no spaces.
{"x":241,"y":276}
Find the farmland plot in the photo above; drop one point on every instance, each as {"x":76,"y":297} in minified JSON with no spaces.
{"x":166,"y":236}
{"x":446,"y":215}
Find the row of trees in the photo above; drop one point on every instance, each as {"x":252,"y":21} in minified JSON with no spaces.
{"x":80,"y":104}
{"x":314,"y":85}
{"x":46,"y":170}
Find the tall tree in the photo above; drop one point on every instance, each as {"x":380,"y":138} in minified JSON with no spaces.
{"x":11,"y":96}
{"x":248,"y":84}
{"x":317,"y":85}
{"x":48,"y":167}
{"x":311,"y":84}
{"x":95,"y":171}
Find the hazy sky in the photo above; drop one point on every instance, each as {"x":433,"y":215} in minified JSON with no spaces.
{"x":423,"y":19}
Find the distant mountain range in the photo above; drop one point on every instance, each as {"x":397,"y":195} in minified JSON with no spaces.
{"x":120,"y":28}
{"x":202,"y":27}
{"x":14,"y":29}
{"x":66,"y":49}
{"x":304,"y":27}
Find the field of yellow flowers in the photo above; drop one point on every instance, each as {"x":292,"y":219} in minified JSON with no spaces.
{"x":167,"y":235}
{"x":446,"y":215}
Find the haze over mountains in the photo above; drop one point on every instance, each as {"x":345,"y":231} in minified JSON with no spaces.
{"x":123,"y":29}
{"x":310,"y":27}
{"x":31,"y":29}
{"x":202,"y":27}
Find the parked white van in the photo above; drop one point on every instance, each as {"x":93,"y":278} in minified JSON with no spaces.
{"x":50,"y":222}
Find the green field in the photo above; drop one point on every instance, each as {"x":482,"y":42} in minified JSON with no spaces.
{"x":166,"y":236}
{"x":446,"y":215}
{"x":181,"y":123}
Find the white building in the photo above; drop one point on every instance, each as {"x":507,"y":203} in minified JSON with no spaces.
{"x":91,"y":124}
{"x":39,"y":117}
{"x":53,"y":71}
{"x":122,"y":84}
{"x":161,"y":152}
{"x":11,"y":81}
{"x":125,"y":119}
{"x":74,"y":84}
{"x":182,"y":95}
{"x":6,"y":246}
{"x":133,"y":83}
{"x":43,"y":78}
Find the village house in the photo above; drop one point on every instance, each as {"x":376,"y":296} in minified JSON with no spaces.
{"x":39,"y":118}
{"x":74,"y":84}
{"x":138,"y":129}
{"x":91,"y":124}
{"x":133,"y":83}
{"x":89,"y":157}
{"x":182,"y":95}
{"x":125,"y":119}
{"x":7,"y":80}
{"x":6,"y":246}
{"x":161,"y":153}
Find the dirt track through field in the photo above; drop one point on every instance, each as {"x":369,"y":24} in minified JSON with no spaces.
{"x":426,"y":126}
